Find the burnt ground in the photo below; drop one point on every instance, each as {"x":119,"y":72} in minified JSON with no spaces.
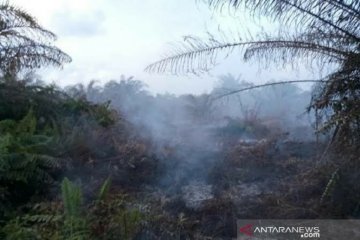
{"x":258,"y":179}
{"x":198,"y":191}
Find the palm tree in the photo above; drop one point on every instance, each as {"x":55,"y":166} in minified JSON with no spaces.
{"x":321,"y":32}
{"x":24,"y":44}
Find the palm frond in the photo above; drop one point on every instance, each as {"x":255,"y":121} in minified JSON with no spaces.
{"x":197,"y":55}
{"x":335,"y":15}
{"x":15,"y":19}
{"x":194,"y":55}
{"x":24,"y":44}
{"x":231,"y":92}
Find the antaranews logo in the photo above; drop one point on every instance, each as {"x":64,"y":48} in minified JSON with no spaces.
{"x":348,"y":229}
{"x":302,"y":231}
{"x":270,"y":229}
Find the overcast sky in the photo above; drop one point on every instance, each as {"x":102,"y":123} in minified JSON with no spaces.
{"x":108,"y":38}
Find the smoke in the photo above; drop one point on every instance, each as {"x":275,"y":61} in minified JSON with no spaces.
{"x":189,"y":132}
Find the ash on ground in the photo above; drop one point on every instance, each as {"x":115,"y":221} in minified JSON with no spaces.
{"x":196,"y":193}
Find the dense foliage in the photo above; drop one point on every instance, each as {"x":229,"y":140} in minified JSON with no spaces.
{"x":38,"y":127}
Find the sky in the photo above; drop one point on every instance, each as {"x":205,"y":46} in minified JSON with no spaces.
{"x":110,"y":38}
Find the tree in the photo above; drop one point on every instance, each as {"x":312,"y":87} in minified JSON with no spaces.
{"x":322,"y":32}
{"x":24,"y":44}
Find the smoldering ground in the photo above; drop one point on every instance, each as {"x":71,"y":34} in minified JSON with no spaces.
{"x":189,"y":133}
